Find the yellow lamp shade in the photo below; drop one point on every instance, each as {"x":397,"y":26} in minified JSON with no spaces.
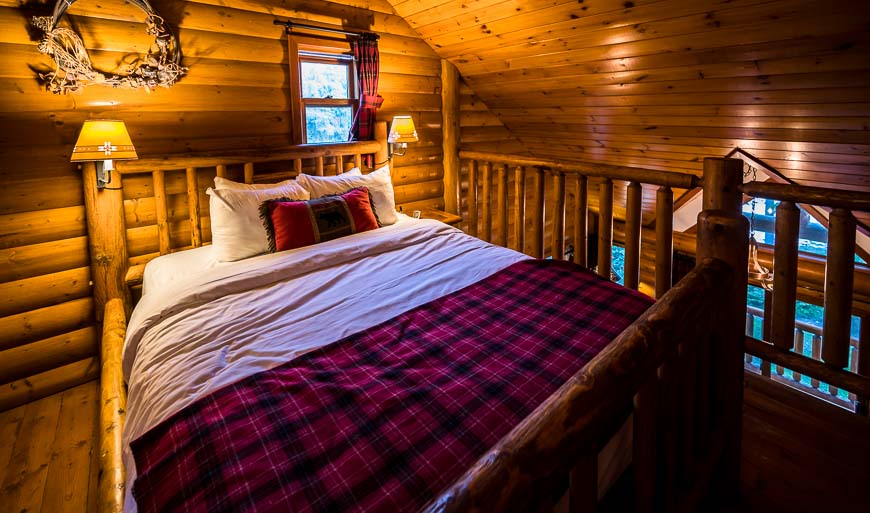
{"x":104,"y":139}
{"x":402,"y":130}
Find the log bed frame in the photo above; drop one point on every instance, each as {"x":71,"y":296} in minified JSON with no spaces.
{"x":678,"y":369}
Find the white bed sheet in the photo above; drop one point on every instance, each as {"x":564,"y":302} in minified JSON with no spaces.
{"x":187,"y":339}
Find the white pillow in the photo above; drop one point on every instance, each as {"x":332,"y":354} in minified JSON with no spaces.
{"x":236,"y":229}
{"x":165,"y":270}
{"x":378,"y":182}
{"x":224,"y":183}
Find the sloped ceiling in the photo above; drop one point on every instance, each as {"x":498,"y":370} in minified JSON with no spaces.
{"x":663,"y":83}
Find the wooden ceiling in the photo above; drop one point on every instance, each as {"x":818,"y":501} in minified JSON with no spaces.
{"x":663,"y":83}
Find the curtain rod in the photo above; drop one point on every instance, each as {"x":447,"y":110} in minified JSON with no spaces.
{"x":288,"y":25}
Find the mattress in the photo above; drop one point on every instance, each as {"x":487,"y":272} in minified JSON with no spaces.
{"x":215,"y":325}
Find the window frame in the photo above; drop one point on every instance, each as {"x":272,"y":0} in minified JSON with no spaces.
{"x":319,"y":50}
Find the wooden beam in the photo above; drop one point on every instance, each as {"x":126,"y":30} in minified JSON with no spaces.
{"x":450,"y":134}
{"x":785,"y":268}
{"x":839,"y":281}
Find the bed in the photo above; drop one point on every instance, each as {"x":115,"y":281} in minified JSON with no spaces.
{"x":206,"y":335}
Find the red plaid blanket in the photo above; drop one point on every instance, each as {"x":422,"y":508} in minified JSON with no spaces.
{"x":385,"y":419}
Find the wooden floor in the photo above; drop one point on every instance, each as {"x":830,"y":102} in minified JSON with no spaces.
{"x":48,"y":458}
{"x":798,"y":455}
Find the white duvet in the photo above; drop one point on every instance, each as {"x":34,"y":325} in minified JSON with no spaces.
{"x":219,"y":325}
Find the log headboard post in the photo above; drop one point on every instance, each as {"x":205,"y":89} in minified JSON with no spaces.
{"x":723,"y":234}
{"x":383,"y":153}
{"x":107,"y":238}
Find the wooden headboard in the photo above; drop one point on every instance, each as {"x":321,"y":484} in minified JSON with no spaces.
{"x":157,"y":205}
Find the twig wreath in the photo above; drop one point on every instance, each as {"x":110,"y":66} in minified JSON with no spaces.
{"x":73,"y":68}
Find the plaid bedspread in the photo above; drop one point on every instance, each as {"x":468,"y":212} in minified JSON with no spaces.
{"x":387,"y":418}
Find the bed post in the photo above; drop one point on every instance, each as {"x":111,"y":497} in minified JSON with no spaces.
{"x":107,"y":238}
{"x":383,"y":154}
{"x":723,"y":233}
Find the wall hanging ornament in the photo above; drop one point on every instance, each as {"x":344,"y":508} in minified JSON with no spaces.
{"x":73,"y":69}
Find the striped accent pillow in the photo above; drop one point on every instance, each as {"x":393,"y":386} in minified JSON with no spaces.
{"x":293,"y":224}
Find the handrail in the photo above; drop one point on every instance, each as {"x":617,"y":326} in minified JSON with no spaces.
{"x":205,"y":159}
{"x":849,"y":200}
{"x":650,"y":176}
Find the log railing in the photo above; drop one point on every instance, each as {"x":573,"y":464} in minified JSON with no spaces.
{"x":534,"y":207}
{"x":835,"y":361}
{"x":679,"y":357}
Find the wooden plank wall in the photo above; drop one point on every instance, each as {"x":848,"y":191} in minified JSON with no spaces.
{"x":662,"y":83}
{"x":235,"y":96}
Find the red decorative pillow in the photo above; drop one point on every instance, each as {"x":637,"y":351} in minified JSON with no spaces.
{"x":294,"y":224}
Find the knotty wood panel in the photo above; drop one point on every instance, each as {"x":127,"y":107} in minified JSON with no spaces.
{"x":661,"y":84}
{"x":235,"y":96}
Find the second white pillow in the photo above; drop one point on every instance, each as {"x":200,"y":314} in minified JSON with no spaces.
{"x":378,"y":182}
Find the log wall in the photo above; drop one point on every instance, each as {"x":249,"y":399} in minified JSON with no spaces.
{"x":236,"y":95}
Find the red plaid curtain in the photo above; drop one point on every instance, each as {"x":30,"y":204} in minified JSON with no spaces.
{"x":365,"y":51}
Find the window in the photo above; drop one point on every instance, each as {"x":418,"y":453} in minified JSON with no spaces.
{"x":325,"y":98}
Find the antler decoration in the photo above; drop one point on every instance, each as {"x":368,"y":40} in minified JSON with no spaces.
{"x":73,"y":69}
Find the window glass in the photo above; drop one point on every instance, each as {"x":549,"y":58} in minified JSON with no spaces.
{"x":323,"y":80}
{"x":328,"y":124}
{"x":813,"y":236}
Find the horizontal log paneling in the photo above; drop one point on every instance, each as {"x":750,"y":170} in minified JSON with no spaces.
{"x":47,"y":354}
{"x":45,"y":322}
{"x":235,"y":96}
{"x":49,"y":382}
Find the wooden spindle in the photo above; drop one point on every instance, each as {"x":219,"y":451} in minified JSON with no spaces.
{"x":520,"y":208}
{"x":339,"y":164}
{"x":472,"y":198}
{"x":839,"y":276}
{"x":785,"y":268}
{"x":633,"y":205}
{"x":558,"y":242}
{"x":486,"y":200}
{"x":664,"y":240}
{"x":193,"y":207}
{"x":750,"y":332}
{"x":798,"y":348}
{"x":221,"y":170}
{"x":297,"y":166}
{"x":581,"y":221}
{"x":644,"y":447}
{"x":502,"y":205}
{"x":817,"y":355}
{"x":318,"y":165}
{"x":765,"y":329}
{"x":537,"y":234}
{"x":249,"y":172}
{"x":357,"y":160}
{"x":583,"y":485}
{"x":605,"y":227}
{"x":863,"y":403}
{"x":161,"y":212}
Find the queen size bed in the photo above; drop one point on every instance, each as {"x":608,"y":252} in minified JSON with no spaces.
{"x":403,"y":367}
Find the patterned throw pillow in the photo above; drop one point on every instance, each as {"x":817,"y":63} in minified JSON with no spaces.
{"x":293,"y":224}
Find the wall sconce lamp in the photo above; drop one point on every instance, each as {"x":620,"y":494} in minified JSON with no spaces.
{"x":402,"y":132}
{"x":102,"y":141}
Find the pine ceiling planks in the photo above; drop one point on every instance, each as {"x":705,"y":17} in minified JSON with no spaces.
{"x":663,"y":83}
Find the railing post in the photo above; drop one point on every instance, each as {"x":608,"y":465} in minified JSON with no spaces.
{"x":581,"y":221}
{"x":723,"y":233}
{"x":520,"y":208}
{"x":664,"y":240}
{"x":839,"y":277}
{"x":501,"y":205}
{"x":538,"y":214}
{"x":633,"y":203}
{"x":558,"y":215}
{"x":486,"y":199}
{"x":605,"y":228}
{"x":785,"y":268}
{"x":863,"y":403}
{"x":472,"y":198}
